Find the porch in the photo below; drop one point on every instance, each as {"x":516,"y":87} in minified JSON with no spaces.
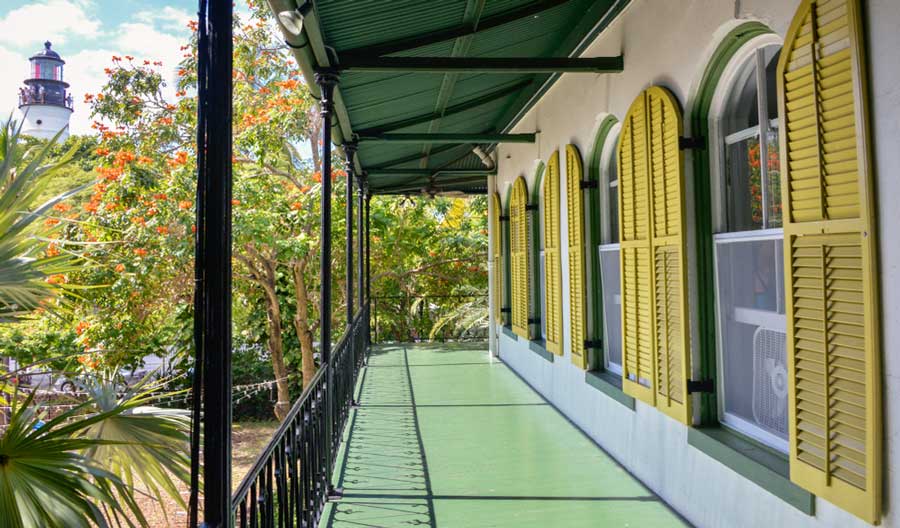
{"x":412,"y":453}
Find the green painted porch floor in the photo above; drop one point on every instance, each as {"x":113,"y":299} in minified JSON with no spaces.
{"x":444,"y":437}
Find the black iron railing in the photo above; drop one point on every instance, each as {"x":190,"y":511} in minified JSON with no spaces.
{"x":289,"y":483}
{"x":413,"y":318}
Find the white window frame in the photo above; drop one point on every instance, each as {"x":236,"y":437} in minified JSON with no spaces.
{"x":610,"y":144}
{"x":730,"y":76}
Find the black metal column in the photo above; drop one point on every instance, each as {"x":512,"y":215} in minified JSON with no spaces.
{"x":326,"y":82}
{"x":368,"y":265}
{"x":360,"y":273}
{"x":349,"y":150}
{"x":213,"y":256}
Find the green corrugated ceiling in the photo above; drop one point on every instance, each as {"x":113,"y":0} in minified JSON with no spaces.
{"x":371,"y":103}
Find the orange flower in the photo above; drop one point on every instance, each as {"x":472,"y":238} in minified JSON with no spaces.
{"x":81,"y":327}
{"x":185,"y":204}
{"x":144,"y":160}
{"x":162,"y":230}
{"x":51,"y":222}
{"x":296,"y":206}
{"x":141,"y":252}
{"x":91,"y":207}
{"x":317,"y":177}
{"x":120,"y":267}
{"x":110,"y":206}
{"x":56,"y":279}
{"x":139,"y":220}
{"x":180,"y":158}
{"x":304,"y":189}
{"x":52,"y":250}
{"x":62,"y":207}
{"x":235,"y":202}
{"x":152,"y":211}
{"x":193,"y":228}
{"x":101,"y":151}
{"x":160,"y":196}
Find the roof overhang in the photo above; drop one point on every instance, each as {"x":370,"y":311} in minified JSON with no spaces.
{"x":427,"y":88}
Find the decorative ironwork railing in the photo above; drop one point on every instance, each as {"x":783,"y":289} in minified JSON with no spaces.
{"x":288,"y":484}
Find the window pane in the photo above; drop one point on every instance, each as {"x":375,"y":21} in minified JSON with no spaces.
{"x":613,"y":195}
{"x":752,"y":337}
{"x":743,"y":185}
{"x":543,"y":299}
{"x":742,"y":108}
{"x":773,"y":191}
{"x":771,"y":55}
{"x":612,"y":307}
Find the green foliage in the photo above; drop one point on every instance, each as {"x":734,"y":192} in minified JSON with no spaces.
{"x":47,"y":480}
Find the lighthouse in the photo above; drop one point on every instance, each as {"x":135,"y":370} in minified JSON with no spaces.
{"x":44,"y":100}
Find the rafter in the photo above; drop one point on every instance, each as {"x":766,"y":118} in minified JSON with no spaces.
{"x":482,"y":64}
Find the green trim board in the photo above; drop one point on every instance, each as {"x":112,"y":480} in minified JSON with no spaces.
{"x":538,"y":348}
{"x":609,"y":384}
{"x":703,"y":251}
{"x":535,"y":238}
{"x":594,"y":285}
{"x":507,"y":331}
{"x":754,"y":462}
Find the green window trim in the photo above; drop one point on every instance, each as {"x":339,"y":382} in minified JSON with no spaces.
{"x":506,"y":311}
{"x":594,"y":285}
{"x":536,"y":234}
{"x":609,"y":384}
{"x":755,"y":462}
{"x":507,"y":331}
{"x":703,"y":251}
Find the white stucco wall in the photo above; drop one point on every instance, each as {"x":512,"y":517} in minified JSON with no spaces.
{"x":667,"y":42}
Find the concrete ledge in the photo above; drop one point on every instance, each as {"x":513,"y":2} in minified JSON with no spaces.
{"x":609,"y":384}
{"x":766,"y":468}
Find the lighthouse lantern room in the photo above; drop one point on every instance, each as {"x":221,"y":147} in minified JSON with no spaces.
{"x":44,"y":100}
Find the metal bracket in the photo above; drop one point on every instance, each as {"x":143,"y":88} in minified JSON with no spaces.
{"x":689,"y":143}
{"x":532,"y":207}
{"x":593,"y":343}
{"x":506,"y":310}
{"x":534,"y":320}
{"x":504,"y":218}
{"x":588,"y":184}
{"x":703,"y":386}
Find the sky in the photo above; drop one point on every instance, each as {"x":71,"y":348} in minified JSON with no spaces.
{"x":87,"y":33}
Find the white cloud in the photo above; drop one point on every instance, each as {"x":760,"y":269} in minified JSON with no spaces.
{"x":60,"y":19}
{"x":13,"y":68}
{"x":169,"y":18}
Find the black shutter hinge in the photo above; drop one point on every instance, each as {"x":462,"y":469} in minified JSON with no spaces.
{"x":588,"y":184}
{"x":504,"y":218}
{"x":506,"y":310}
{"x":689,"y":143}
{"x":595,"y":343}
{"x":704,"y":386}
{"x":532,"y":207}
{"x":534,"y":320}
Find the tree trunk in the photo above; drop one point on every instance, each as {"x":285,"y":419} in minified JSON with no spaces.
{"x":301,"y":321}
{"x":276,"y":346}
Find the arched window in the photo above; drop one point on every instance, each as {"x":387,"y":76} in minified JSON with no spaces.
{"x":608,"y":249}
{"x":519,"y":258}
{"x":749,"y":262}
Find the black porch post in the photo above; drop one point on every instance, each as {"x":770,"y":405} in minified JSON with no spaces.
{"x":326,"y":82}
{"x":368,"y":265}
{"x":213,"y":257}
{"x":349,"y":149}
{"x":360,"y":240}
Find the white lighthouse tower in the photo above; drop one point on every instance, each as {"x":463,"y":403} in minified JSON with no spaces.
{"x":44,"y":100}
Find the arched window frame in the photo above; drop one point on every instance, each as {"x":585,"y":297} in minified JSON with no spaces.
{"x":604,"y":244}
{"x":730,"y":317}
{"x":537,"y":239}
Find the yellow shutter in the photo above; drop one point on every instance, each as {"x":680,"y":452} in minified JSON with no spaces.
{"x":497,"y":238}
{"x":518,"y":236}
{"x":575,"y":218}
{"x":552,"y":266}
{"x":656,"y":363}
{"x":830,"y":261}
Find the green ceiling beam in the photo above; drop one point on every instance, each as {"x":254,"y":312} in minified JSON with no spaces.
{"x":449,"y":33}
{"x":450,"y":110}
{"x":482,"y":64}
{"x":429,"y":172}
{"x":448,"y":138}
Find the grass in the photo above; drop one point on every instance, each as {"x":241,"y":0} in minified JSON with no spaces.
{"x":248,"y":440}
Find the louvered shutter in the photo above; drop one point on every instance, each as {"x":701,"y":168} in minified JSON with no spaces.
{"x":829,"y":247}
{"x":575,"y":222}
{"x":518,"y":236}
{"x":656,"y":352}
{"x":552,"y":265}
{"x":496,"y":243}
